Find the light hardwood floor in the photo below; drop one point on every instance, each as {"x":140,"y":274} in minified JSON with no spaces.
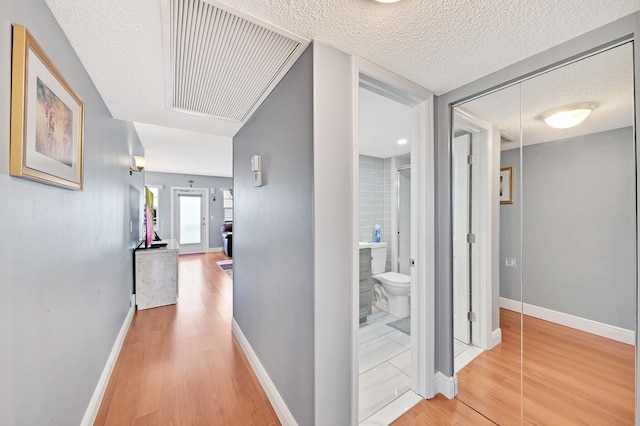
{"x":181,"y":365}
{"x":568,"y":378}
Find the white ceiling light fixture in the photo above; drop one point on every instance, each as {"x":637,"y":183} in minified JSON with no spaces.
{"x":402,"y":141}
{"x":568,"y":116}
{"x":387,"y":1}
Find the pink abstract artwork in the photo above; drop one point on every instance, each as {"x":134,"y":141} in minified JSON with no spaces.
{"x":54,"y":124}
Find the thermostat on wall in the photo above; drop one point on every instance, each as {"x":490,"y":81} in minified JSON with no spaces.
{"x":257,"y":178}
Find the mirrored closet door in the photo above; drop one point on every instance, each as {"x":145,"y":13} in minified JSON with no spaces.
{"x":579,"y":242}
{"x":545,"y":246}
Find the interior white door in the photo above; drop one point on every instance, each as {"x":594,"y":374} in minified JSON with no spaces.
{"x":190,"y":221}
{"x":461,"y":256}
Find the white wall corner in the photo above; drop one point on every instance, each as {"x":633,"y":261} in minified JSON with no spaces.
{"x":447,"y":386}
{"x":496,"y":338}
{"x":279,"y":406}
{"x":96,"y":399}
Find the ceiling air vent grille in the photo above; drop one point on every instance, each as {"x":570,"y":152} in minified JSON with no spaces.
{"x":222,"y":64}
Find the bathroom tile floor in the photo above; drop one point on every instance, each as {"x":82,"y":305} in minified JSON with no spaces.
{"x":385,"y":371}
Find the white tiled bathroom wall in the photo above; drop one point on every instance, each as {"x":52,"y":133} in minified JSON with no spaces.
{"x":375,"y":200}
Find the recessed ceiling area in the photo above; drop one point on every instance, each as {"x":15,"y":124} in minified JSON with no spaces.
{"x":222,"y":65}
{"x":182,"y":151}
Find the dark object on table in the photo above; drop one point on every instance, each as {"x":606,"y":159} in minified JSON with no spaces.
{"x":227,"y":238}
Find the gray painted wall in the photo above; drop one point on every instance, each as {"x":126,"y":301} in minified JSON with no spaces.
{"x":511,"y":232}
{"x":589,"y":42}
{"x":168,"y":180}
{"x":65,"y":257}
{"x":273,"y":292}
{"x":578,"y":231}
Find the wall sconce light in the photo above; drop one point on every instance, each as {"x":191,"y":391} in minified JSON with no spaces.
{"x":139,"y":163}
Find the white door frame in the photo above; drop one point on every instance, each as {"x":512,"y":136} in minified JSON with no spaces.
{"x":423,"y":225}
{"x":486,"y":225}
{"x":460,"y":245}
{"x":205,"y":200}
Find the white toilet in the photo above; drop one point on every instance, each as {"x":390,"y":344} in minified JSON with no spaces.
{"x":391,"y":288}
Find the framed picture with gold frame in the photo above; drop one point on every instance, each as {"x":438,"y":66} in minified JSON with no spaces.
{"x":506,"y":185}
{"x":46,"y":118}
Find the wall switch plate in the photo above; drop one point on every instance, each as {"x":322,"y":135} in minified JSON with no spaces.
{"x":510,"y":261}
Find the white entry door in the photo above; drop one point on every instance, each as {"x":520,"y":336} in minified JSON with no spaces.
{"x":190,"y":224}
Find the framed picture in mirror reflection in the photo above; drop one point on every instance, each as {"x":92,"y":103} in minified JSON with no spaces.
{"x":506,"y":185}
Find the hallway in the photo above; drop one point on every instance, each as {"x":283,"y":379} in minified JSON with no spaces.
{"x":181,"y":365}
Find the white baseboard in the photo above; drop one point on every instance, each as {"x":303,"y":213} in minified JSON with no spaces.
{"x":448,"y":386}
{"x":279,"y":406}
{"x":496,"y":337}
{"x":98,"y":393}
{"x":512,"y":305}
{"x":594,"y":327}
{"x":214,"y":249}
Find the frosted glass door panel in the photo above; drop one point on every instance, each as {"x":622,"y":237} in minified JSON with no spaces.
{"x":190,"y":220}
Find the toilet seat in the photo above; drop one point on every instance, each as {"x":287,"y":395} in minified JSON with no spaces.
{"x":395,"y":279}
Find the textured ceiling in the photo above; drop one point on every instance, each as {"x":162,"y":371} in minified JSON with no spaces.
{"x":605,"y":79}
{"x":439,"y":44}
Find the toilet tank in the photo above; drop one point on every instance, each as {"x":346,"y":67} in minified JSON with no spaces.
{"x":378,"y":258}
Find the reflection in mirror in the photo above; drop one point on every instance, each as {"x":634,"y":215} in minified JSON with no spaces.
{"x":579,"y":222}
{"x":486,"y":338}
{"x":567,"y":249}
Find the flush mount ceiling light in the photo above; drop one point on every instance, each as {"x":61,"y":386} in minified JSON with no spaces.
{"x":567,"y":116}
{"x":387,"y":1}
{"x":402,"y":141}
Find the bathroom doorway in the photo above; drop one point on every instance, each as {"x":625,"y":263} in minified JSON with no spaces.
{"x":420,"y":360}
{"x":392,"y":368}
{"x":386,"y":132}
